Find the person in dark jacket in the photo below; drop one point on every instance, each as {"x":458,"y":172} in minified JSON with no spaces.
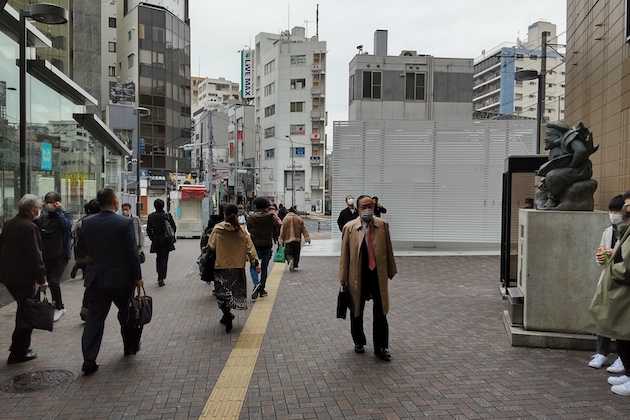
{"x":378,"y":209}
{"x":348,"y":214}
{"x":91,"y":208}
{"x":113,"y":271}
{"x":56,"y":231}
{"x":282,"y":212}
{"x":22,"y":270}
{"x":214,"y":220}
{"x":261,"y":226}
{"x":161,"y":244}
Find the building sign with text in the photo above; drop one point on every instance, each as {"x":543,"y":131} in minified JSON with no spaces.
{"x":247,"y":74}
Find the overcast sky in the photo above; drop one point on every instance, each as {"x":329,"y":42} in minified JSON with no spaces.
{"x":453,"y":28}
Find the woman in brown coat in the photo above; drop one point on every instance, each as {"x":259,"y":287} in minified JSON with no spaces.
{"x":233,"y":248}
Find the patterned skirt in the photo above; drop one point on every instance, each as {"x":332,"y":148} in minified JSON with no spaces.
{"x":231,"y":288}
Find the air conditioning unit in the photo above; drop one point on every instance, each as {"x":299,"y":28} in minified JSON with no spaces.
{"x":409,"y":53}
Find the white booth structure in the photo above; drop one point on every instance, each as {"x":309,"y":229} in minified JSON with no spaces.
{"x":188,"y":210}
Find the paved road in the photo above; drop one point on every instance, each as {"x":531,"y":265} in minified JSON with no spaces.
{"x":451,"y":355}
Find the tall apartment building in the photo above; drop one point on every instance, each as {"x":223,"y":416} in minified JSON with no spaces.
{"x":496,"y":92}
{"x":409,"y":86}
{"x":212,"y":92}
{"x":153,"y":57}
{"x":598,"y":87}
{"x":290,"y":101}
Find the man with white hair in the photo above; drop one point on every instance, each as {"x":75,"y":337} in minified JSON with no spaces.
{"x":22,"y":270}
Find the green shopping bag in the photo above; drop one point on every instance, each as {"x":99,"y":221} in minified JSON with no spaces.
{"x":279,"y":256}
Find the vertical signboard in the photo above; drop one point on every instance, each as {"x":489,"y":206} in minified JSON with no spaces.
{"x":46,"y":157}
{"x":247,"y":75}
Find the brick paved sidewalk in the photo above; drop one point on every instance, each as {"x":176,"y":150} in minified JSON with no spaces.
{"x":451,"y":355}
{"x":183,"y":351}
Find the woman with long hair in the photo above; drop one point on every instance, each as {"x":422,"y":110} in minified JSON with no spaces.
{"x":233,"y":247}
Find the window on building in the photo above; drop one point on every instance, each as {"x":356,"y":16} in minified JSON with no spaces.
{"x":111,"y":47}
{"x":414,"y":86}
{"x":270,"y":110}
{"x":130,"y":60}
{"x":112,"y":71}
{"x":270,"y":154}
{"x":297,"y":152}
{"x":372,"y":84}
{"x":270,"y":67}
{"x":270,"y":132}
{"x":298,"y":60}
{"x":297,"y":129}
{"x":112,"y":22}
{"x":297,"y":106}
{"x":270,"y":89}
{"x":298,"y":83}
{"x":129,"y":36}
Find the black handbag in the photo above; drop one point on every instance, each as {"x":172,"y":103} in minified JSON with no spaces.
{"x":37,"y":312}
{"x":140,"y":308}
{"x":343,"y":303}
{"x":206,"y":264}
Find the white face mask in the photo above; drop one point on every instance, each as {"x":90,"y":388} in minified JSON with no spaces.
{"x":366,"y":215}
{"x":615,"y":218}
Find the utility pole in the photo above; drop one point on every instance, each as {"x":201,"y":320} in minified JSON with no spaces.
{"x":542,"y":84}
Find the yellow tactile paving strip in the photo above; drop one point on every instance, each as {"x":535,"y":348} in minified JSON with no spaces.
{"x":229,"y":392}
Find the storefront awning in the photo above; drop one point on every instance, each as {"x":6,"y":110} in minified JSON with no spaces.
{"x":102,"y":133}
{"x":59,"y":82}
{"x":193,"y":192}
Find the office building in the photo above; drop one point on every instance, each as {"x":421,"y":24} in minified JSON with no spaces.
{"x":496,"y":92}
{"x":408,"y":86}
{"x":598,"y":88}
{"x":153,"y":66}
{"x":290,"y":101}
{"x":210,"y":92}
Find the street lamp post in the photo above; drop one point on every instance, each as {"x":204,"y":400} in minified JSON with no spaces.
{"x":292,"y":152}
{"x":43,"y":13}
{"x":140,"y":112}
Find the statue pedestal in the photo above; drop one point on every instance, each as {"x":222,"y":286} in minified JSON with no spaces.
{"x":557,"y":275}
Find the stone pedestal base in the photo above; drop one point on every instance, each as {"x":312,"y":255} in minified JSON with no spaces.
{"x":557,"y":275}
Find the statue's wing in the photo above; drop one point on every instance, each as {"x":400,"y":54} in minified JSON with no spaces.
{"x":556,"y":163}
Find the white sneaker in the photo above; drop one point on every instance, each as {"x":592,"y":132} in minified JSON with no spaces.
{"x":616,"y":367}
{"x":618,"y":380}
{"x":598,"y":361}
{"x":623,"y":389}
{"x":58,"y":314}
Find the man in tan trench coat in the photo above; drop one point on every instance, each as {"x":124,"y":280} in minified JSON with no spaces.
{"x":366,"y":265}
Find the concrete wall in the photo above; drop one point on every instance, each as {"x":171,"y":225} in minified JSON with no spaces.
{"x":598,"y":88}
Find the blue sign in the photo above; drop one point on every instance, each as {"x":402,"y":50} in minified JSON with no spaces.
{"x":299,"y":152}
{"x":46,"y":157}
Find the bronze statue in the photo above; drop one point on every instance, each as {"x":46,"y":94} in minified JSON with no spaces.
{"x":567,"y":183}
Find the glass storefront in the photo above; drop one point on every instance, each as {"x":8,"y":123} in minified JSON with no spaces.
{"x":62,"y":156}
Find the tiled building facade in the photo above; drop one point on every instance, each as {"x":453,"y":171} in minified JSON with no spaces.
{"x":598,"y":87}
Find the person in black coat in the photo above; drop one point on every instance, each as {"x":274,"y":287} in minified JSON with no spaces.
{"x":378,"y":209}
{"x":348,"y":214}
{"x":161,"y":244}
{"x":113,"y":271}
{"x":22,"y":270}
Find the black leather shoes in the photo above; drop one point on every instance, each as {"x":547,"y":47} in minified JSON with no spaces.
{"x":14,"y":358}
{"x":384,"y":355}
{"x":359,"y":349}
{"x":89,"y":368}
